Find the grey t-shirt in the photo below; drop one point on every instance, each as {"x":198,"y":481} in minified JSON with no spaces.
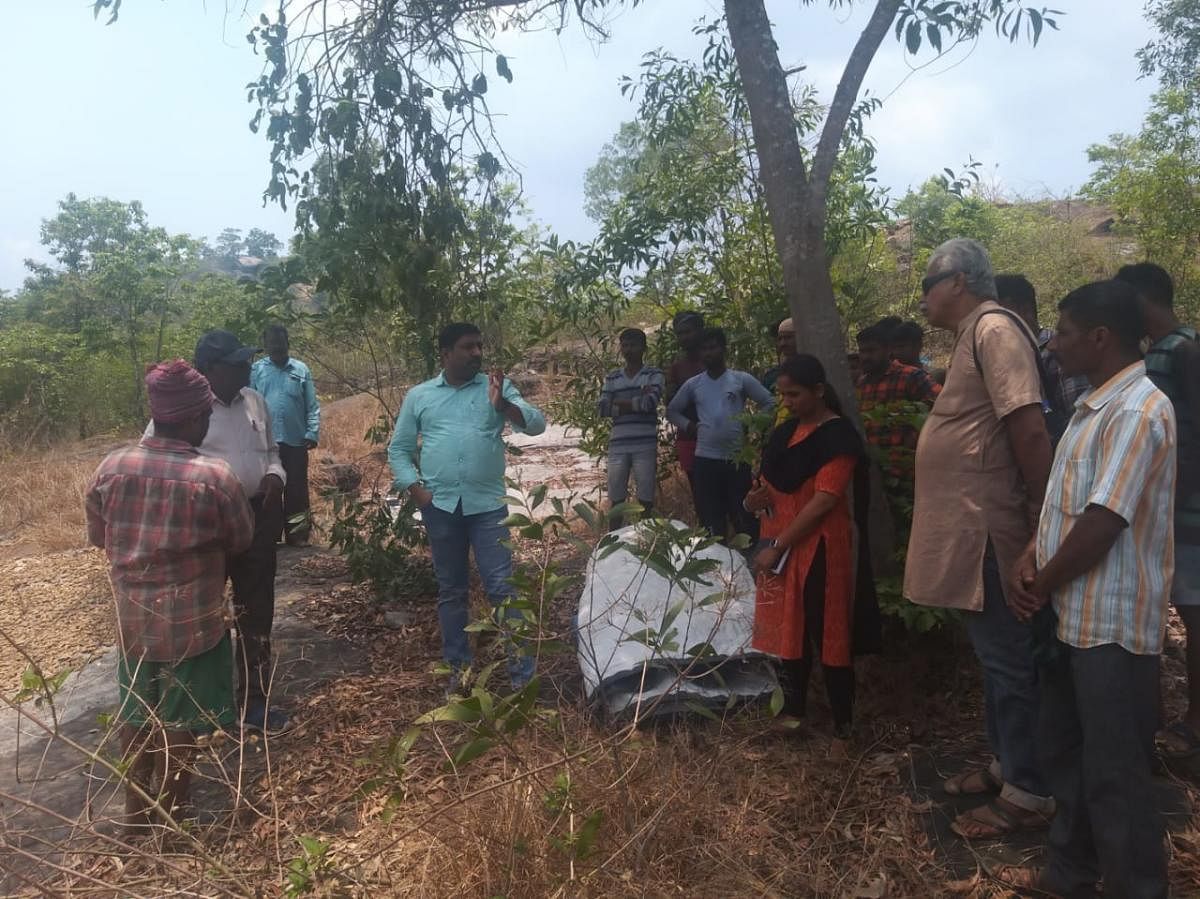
{"x":718,"y":402}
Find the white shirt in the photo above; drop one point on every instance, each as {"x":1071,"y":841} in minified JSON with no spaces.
{"x":240,"y":434}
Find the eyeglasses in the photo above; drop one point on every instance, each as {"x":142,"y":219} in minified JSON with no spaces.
{"x":930,"y":281}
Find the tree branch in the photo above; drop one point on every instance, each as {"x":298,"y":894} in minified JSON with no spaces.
{"x":847,"y":91}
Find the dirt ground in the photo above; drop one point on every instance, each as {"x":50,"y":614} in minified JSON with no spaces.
{"x":344,"y":805}
{"x":56,"y":607}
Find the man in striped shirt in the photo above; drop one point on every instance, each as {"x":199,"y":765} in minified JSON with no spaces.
{"x":1103,"y":559}
{"x":630,"y":397}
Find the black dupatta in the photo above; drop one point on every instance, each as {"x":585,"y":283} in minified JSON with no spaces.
{"x":787,"y":468}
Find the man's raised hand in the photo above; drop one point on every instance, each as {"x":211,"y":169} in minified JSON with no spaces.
{"x":496,"y":389}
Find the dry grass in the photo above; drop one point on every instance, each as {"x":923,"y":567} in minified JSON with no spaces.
{"x":697,"y":809}
{"x":344,"y":424}
{"x":41,"y":497}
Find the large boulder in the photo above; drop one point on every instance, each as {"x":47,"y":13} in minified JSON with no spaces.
{"x":651,"y":642}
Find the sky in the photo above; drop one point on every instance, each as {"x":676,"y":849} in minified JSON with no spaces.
{"x":153,"y":108}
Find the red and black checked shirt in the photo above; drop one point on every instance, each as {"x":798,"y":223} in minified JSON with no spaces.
{"x":880,"y":402}
{"x":167,"y":517}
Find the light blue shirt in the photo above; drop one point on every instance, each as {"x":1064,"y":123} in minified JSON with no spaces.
{"x":462,"y":455}
{"x":719,"y":403}
{"x":292,"y":398}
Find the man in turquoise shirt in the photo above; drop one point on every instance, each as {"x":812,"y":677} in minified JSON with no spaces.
{"x":287,"y":386}
{"x":458,"y":482}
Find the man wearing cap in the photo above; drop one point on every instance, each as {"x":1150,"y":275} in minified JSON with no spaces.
{"x":168,"y":518}
{"x":240,"y":434}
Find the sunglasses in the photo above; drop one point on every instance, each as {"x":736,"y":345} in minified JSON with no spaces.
{"x":930,"y":281}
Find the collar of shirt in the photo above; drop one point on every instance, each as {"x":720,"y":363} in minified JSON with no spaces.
{"x":892,"y":368}
{"x":480,"y":378}
{"x":1099,"y":398}
{"x":972,"y":317}
{"x":240,"y":395}
{"x":168,"y":445}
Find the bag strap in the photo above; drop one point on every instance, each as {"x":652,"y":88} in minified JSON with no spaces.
{"x":1029,"y":338}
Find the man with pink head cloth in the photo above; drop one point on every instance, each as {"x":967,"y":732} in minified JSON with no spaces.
{"x":168,"y":519}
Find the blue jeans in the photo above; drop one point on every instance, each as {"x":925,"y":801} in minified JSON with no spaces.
{"x":1004,"y":647}
{"x":643,"y":464}
{"x":451,"y":536}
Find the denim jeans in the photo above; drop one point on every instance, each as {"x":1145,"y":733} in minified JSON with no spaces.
{"x":1098,"y":718}
{"x":451,"y":536}
{"x":643,"y":464}
{"x":1004,"y":647}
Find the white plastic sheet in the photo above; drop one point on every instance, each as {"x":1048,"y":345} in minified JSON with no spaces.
{"x":633,"y":664}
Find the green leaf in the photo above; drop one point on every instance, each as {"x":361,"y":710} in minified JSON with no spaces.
{"x":537,"y":495}
{"x":702,"y":710}
{"x":313,"y":848}
{"x":740,"y":541}
{"x":516,"y":520}
{"x":473,"y":750}
{"x":646,"y":636}
{"x":460,"y":710}
{"x":935,"y":36}
{"x":912,"y":36}
{"x":502,"y":68}
{"x":587,"y":834}
{"x":776,"y":704}
{"x":586,"y":512}
{"x":672,"y":614}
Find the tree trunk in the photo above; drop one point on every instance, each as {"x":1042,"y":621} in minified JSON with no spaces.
{"x":796,"y":201}
{"x":797,"y":211}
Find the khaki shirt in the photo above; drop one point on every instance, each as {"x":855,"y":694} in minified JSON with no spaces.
{"x":968,"y":486}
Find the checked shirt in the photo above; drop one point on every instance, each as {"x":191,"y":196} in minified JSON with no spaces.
{"x":880,"y":402}
{"x":167,"y":517}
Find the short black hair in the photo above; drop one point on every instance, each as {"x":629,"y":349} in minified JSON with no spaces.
{"x":633,"y":334}
{"x":276,"y":329}
{"x":889,"y":323}
{"x":878,"y":333}
{"x":713,"y":335}
{"x":908,"y":332}
{"x":1151,"y":281}
{"x":450,"y":335}
{"x":1108,"y":304}
{"x":1018,"y":290}
{"x":687,"y":316}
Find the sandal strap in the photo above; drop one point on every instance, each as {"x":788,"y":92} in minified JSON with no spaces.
{"x":1011,"y":821}
{"x":989,"y":780}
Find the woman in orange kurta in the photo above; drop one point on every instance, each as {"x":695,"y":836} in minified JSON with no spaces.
{"x":815,"y":596}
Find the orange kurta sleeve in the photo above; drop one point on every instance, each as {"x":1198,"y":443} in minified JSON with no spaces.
{"x":834,"y":476}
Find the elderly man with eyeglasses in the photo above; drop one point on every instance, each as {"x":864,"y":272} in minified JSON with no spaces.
{"x":982,"y":462}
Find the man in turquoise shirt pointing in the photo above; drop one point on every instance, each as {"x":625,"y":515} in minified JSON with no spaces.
{"x":457,"y":481}
{"x":287,"y":386}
